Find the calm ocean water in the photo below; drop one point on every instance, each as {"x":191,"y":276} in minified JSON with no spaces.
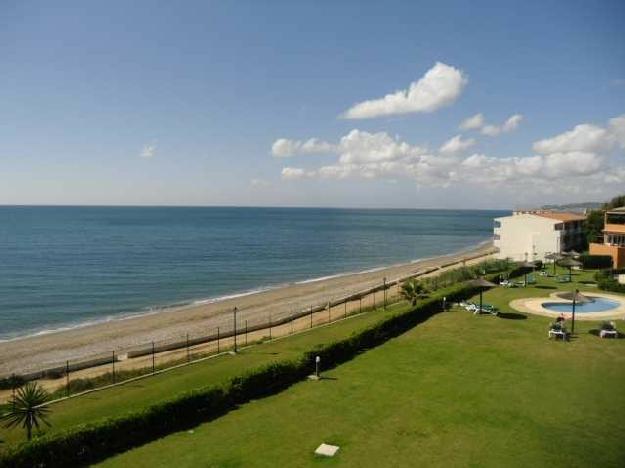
{"x":62,"y":266}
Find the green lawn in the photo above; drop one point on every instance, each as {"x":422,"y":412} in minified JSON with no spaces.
{"x":457,"y":390}
{"x":145,"y":392}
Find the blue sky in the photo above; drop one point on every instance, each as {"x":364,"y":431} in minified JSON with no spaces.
{"x":180,"y":104}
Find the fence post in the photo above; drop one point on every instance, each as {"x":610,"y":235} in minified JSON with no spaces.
{"x":13,"y":379}
{"x":153,"y":361}
{"x":270,"y":326}
{"x":234,"y":311}
{"x":67,"y":377}
{"x":217,"y":340}
{"x":360,"y":306}
{"x":329,"y":313}
{"x":345,"y":309}
{"x":113,"y":361}
{"x":311,"y":316}
{"x":188,"y":353}
{"x":384,"y":289}
{"x":291,"y":321}
{"x":245,"y":332}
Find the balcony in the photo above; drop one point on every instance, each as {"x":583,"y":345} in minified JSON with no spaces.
{"x":614,"y":228}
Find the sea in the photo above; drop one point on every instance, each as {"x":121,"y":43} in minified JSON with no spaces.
{"x":64,"y":267}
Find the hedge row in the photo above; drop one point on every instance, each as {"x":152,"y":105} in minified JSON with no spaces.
{"x":595,"y":262}
{"x":91,"y":443}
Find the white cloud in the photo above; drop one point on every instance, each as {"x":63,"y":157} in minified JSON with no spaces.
{"x":260,"y":183}
{"x":283,"y":148}
{"x":440,"y":86}
{"x":572,"y":164}
{"x":293,"y":173}
{"x":148,"y":151}
{"x":477,"y":122}
{"x":361,"y":154}
{"x":512,"y":123}
{"x":508,"y":126}
{"x":471,"y":123}
{"x":361,"y":147}
{"x":617,"y":128}
{"x":583,"y":137}
{"x":456,"y":145}
{"x":355,"y":147}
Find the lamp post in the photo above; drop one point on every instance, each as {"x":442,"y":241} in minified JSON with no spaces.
{"x":317,"y":362}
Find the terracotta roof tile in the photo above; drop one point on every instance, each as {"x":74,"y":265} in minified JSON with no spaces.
{"x":561,"y":216}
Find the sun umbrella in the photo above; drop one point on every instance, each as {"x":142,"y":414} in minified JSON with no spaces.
{"x":526,"y":265}
{"x":569,"y":263}
{"x":577,"y":298}
{"x":572,"y":253}
{"x":554,"y":257}
{"x":481,"y":283}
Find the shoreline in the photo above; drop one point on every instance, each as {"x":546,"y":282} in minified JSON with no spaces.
{"x":45,"y":349}
{"x":185,"y":304}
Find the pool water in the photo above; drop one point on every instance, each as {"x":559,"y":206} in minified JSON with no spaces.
{"x":598,"y":304}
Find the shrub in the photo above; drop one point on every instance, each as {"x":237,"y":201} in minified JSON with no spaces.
{"x":596,"y":262}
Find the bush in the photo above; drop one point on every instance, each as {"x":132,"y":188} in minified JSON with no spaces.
{"x":606,"y":282}
{"x":611,"y":285}
{"x":596,"y":262}
{"x":9,"y":383}
{"x":87,"y":444}
{"x":455,"y":276}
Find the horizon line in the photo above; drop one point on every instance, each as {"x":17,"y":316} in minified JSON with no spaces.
{"x":36,"y":205}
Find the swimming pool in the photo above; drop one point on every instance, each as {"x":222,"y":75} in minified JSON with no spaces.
{"x":598,"y":304}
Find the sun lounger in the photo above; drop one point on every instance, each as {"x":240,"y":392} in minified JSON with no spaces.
{"x":608,"y":333}
{"x":557,"y":334}
{"x":608,"y":329}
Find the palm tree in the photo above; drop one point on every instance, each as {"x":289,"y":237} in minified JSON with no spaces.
{"x":26,"y":408}
{"x":411,"y":290}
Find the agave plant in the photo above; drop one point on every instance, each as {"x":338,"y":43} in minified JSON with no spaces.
{"x":411,"y":290}
{"x":27,"y":410}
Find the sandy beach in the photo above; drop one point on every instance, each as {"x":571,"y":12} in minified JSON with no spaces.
{"x":35,"y":353}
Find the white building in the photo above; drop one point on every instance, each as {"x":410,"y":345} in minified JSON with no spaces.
{"x":530,"y":235}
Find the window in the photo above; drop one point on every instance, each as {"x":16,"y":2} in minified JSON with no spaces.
{"x":497,"y":224}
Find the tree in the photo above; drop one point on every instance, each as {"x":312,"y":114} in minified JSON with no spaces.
{"x":411,"y":290}
{"x":26,"y":408}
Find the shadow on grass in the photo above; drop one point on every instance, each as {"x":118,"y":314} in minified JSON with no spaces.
{"x":512,"y":316}
{"x":544,"y":286}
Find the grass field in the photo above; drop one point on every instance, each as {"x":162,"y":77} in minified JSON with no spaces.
{"x":457,"y":390}
{"x":142,"y":393}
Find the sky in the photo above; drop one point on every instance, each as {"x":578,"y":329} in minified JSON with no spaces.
{"x":439,"y":104}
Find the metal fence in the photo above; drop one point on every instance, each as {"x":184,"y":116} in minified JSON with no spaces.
{"x":232,"y":333}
